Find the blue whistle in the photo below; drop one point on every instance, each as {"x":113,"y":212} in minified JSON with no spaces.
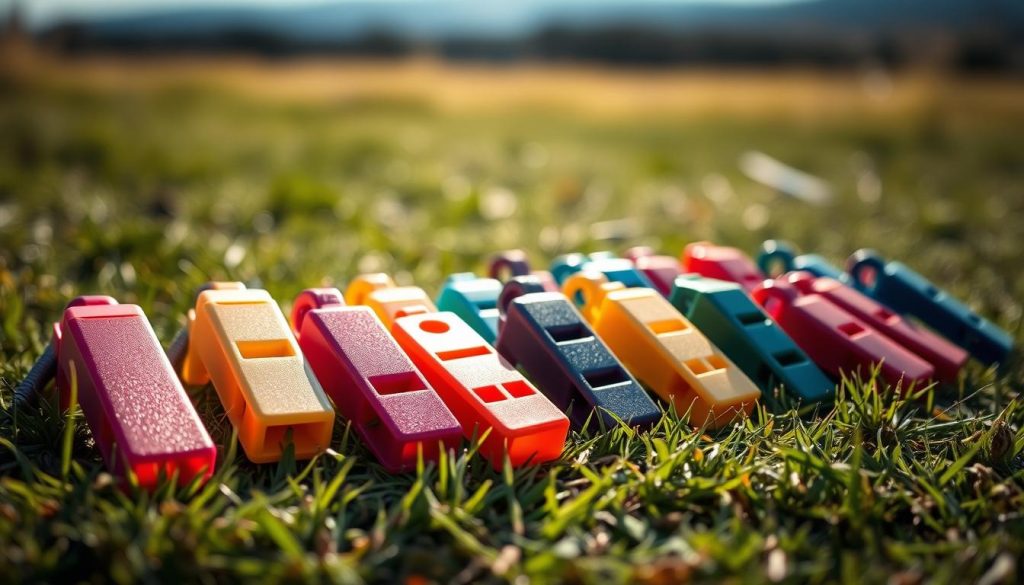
{"x":543,"y":334}
{"x":614,"y":268}
{"x":905,"y":291}
{"x":749,"y":337}
{"x":474,"y":300}
{"x":781,"y":254}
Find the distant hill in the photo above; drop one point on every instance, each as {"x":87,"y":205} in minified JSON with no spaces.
{"x":611,"y":30}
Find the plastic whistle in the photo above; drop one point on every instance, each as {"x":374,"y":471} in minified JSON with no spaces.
{"x":741,"y":329}
{"x":239,"y":339}
{"x":945,"y":357}
{"x":371,"y":381}
{"x":664,"y":350}
{"x":543,"y":334}
{"x":660,"y":270}
{"x":778,"y":257}
{"x":723,"y":263}
{"x":473,"y":299}
{"x":836,"y":340}
{"x":615,"y":269}
{"x":483,"y":391}
{"x":141,"y":418}
{"x":510,"y":263}
{"x":905,"y":291}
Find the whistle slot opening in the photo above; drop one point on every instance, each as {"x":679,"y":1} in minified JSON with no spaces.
{"x":752,"y":318}
{"x":489,"y":393}
{"x":303,"y":435}
{"x":397,"y":383}
{"x":666,"y":326}
{"x":851,"y":329}
{"x":456,"y":354}
{"x":568,"y":332}
{"x":602,"y":377}
{"x":788,"y":358}
{"x":518,"y":389}
{"x":697,"y":366}
{"x":716,"y":362}
{"x":265,"y":348}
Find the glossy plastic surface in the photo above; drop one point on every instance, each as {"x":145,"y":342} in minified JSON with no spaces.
{"x":389,"y":301}
{"x":838,"y":341}
{"x":660,"y":270}
{"x":543,"y":334}
{"x":473,"y":299}
{"x":723,"y":263}
{"x":372,"y":382}
{"x":664,"y":350}
{"x":240,"y":340}
{"x":778,"y":257}
{"x":140,"y":417}
{"x":511,"y":263}
{"x":945,"y":357}
{"x":741,"y":329}
{"x":905,"y":291}
{"x":614,"y":269}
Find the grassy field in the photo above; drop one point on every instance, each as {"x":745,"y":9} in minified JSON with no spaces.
{"x":144,"y":180}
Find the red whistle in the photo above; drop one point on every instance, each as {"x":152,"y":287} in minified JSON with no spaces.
{"x":140,"y":417}
{"x":374,"y":385}
{"x":723,"y":263}
{"x":660,"y":270}
{"x":836,"y":340}
{"x":946,"y":358}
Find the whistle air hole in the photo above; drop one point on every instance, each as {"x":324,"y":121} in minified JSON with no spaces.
{"x":489,"y":393}
{"x":304,"y":435}
{"x":609,"y":376}
{"x":518,"y":389}
{"x":434,"y":326}
{"x":567,"y":332}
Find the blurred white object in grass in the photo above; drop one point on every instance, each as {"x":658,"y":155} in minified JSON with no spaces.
{"x":779,"y":176}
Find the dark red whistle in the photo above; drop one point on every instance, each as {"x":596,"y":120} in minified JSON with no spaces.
{"x":946,"y":358}
{"x":660,"y":270}
{"x":836,"y":340}
{"x":371,"y":380}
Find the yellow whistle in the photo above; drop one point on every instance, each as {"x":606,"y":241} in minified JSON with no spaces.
{"x":239,"y":339}
{"x":664,"y":350}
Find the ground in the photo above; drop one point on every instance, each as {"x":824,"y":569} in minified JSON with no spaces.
{"x":145,"y":179}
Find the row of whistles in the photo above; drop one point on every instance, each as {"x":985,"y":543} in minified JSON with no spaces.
{"x":511,"y":360}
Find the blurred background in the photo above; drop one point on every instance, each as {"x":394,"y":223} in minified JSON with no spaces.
{"x":147,"y":146}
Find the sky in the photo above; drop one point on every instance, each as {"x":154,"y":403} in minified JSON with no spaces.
{"x":37,"y":12}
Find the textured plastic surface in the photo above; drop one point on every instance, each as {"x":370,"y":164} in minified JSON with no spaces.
{"x":905,"y":291}
{"x":543,"y":334}
{"x":777,"y":258}
{"x":660,"y":270}
{"x":723,"y":263}
{"x":734,"y":323}
{"x":140,"y":417}
{"x":511,"y":263}
{"x":614,"y":269}
{"x":945,"y":357}
{"x":379,"y":292}
{"x":473,"y":299}
{"x":836,"y":340}
{"x":372,"y":382}
{"x":240,"y":340}
{"x":483,"y":390}
{"x":664,"y":350}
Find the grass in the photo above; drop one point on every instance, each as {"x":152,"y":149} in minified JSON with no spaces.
{"x":145,"y":191}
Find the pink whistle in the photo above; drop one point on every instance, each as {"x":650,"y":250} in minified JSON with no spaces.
{"x":836,"y":340}
{"x":946,"y":358}
{"x":723,"y":263}
{"x":660,"y":270}
{"x":371,"y":381}
{"x":140,"y":417}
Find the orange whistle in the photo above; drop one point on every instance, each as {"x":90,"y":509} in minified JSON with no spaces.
{"x":482,"y":390}
{"x":239,"y":339}
{"x":664,"y":350}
